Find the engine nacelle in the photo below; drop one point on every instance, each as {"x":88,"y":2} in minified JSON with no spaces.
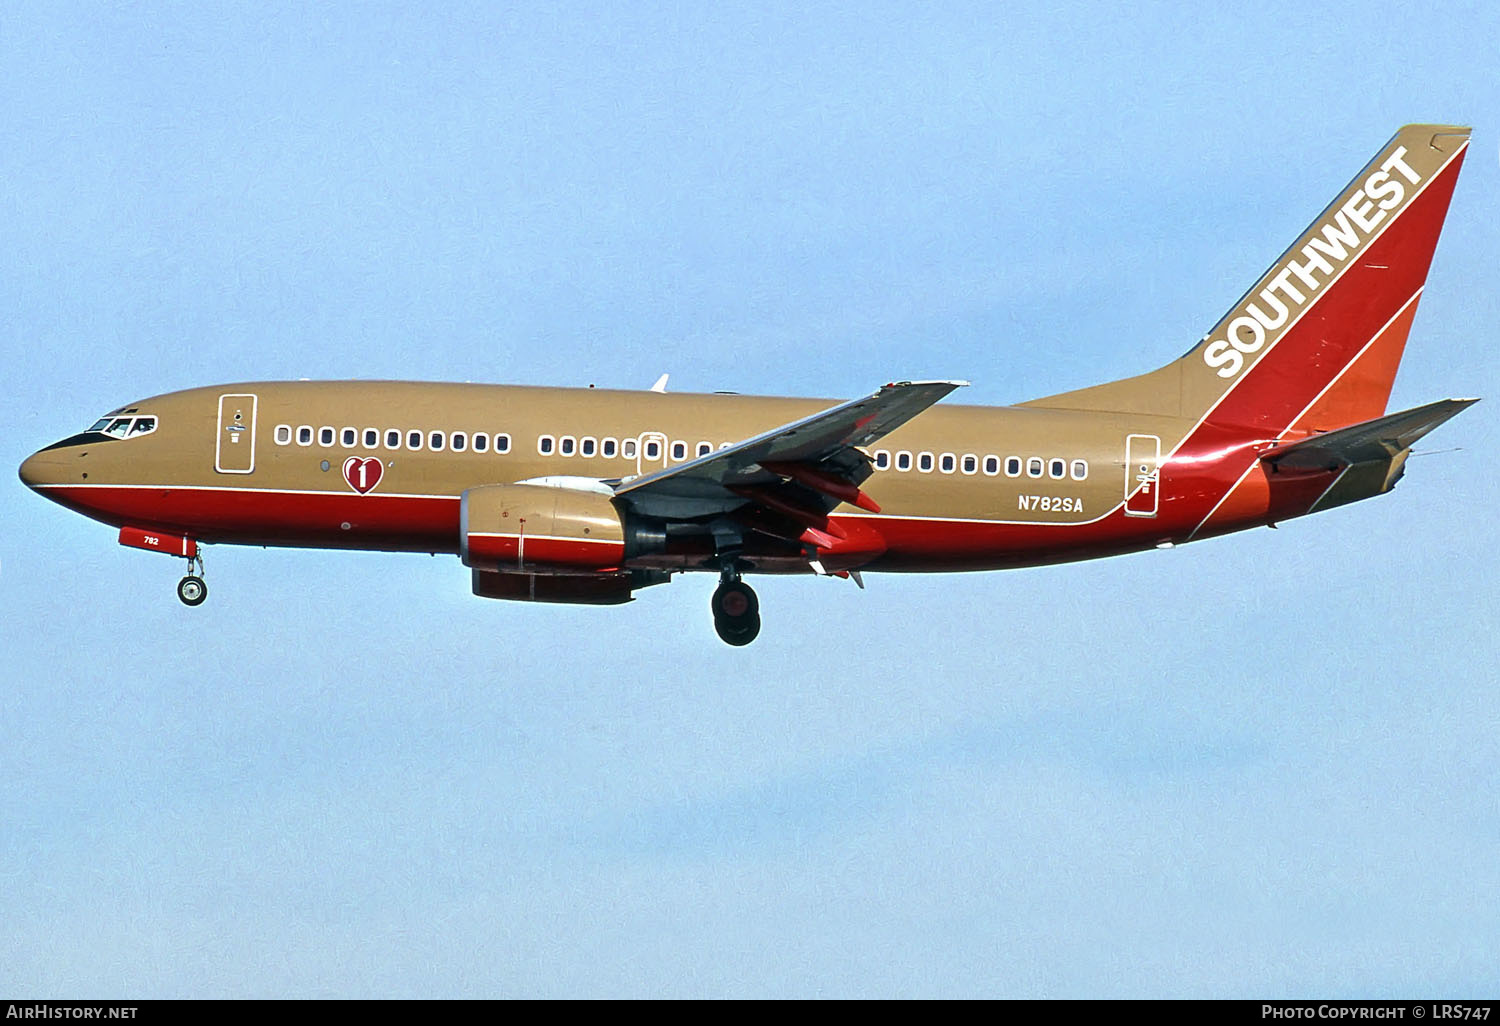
{"x":519,"y":527}
{"x":572,"y":589}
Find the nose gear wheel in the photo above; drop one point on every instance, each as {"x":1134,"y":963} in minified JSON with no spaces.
{"x":192,"y":589}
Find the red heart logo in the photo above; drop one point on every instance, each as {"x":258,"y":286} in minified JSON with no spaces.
{"x":363,"y":474}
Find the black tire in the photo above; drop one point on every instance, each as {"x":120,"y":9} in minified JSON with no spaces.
{"x":738,"y":632}
{"x":735,"y":601}
{"x":192,"y":590}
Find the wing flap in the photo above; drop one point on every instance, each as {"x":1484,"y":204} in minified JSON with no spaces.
{"x":823,"y":442}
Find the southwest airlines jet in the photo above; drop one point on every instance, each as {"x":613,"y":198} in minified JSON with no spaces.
{"x":587,"y":495}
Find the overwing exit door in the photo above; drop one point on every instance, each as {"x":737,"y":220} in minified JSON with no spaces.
{"x":651,"y":452}
{"x":1142,"y":475}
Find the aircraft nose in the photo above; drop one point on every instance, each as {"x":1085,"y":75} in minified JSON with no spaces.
{"x":40,"y":469}
{"x":30,"y":471}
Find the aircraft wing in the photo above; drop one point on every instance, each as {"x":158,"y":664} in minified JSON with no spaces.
{"x":819,"y":453}
{"x":1377,"y":439}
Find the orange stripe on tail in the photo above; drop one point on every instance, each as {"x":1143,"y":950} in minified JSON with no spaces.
{"x":1363,"y":390}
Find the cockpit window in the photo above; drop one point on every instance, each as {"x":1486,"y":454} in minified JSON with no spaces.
{"x":124,"y":427}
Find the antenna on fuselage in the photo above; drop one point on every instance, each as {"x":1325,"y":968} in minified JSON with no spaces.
{"x":661,"y":383}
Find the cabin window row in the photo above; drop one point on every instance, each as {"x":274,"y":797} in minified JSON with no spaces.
{"x":412,"y":440}
{"x":653,"y":447}
{"x":649,"y":448}
{"x":1055,"y":467}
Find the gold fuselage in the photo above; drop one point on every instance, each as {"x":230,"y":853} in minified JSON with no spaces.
{"x":191,"y":475}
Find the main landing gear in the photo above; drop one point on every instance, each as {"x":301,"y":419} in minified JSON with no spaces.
{"x":736,"y":609}
{"x":192,"y":589}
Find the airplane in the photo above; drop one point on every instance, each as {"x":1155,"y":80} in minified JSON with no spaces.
{"x":588,"y":495}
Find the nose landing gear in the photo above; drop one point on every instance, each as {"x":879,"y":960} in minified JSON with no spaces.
{"x":736,"y":609}
{"x":192,"y":589}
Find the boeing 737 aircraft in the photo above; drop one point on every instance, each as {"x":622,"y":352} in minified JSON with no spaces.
{"x":587,"y":495}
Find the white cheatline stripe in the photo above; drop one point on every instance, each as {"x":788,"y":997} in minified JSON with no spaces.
{"x":336,"y":493}
{"x":545,"y":537}
{"x":241,"y":490}
{"x":888,"y":517}
{"x":1336,"y":378}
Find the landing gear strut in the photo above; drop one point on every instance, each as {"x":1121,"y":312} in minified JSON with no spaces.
{"x":192,"y":589}
{"x":736,"y":609}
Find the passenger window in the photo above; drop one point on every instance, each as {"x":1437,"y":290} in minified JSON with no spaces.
{"x":545,"y":445}
{"x":1035,"y":467}
{"x":725,"y":445}
{"x":704,"y":448}
{"x":609,"y":448}
{"x":414,"y":441}
{"x":629,"y":447}
{"x":971,"y":463}
{"x":1012,"y":466}
{"x":653,"y":450}
{"x":882,"y":459}
{"x":903,"y":460}
{"x":1058,"y":469}
{"x":679,"y":451}
{"x":460,"y":441}
{"x":283,"y":434}
{"x":481,"y":443}
{"x":946,"y":463}
{"x":1080,"y":470}
{"x":924,"y":462}
{"x":586,"y":446}
{"x":502,"y":443}
{"x":393,"y":438}
{"x":436,"y":441}
{"x":372,"y":438}
{"x":992,"y":465}
{"x":304,"y":435}
{"x":348,"y":437}
{"x":325,"y":437}
{"x":566,"y":444}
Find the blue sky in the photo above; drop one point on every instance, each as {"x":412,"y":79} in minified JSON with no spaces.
{"x":1261,"y":765}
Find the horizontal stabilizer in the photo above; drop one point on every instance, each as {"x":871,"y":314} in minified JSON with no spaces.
{"x":1372,"y":440}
